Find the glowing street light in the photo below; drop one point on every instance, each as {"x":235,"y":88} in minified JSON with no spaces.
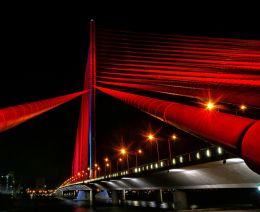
{"x":123,"y":151}
{"x":138,"y":152}
{"x":96,"y":169}
{"x":172,"y":138}
{"x":107,"y":164}
{"x":210,"y":105}
{"x":151,"y":138}
{"x":118,"y":161}
{"x":243,"y":107}
{"x":108,"y":167}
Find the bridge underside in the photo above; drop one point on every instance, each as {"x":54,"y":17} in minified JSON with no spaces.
{"x":232,"y":173}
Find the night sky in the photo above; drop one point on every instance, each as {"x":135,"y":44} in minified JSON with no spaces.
{"x":43,"y":52}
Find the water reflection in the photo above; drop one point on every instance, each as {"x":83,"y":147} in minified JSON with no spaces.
{"x":110,"y":209}
{"x":43,"y":205}
{"x":81,"y":209}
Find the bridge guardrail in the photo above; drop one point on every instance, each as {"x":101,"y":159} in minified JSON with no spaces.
{"x":212,"y":153}
{"x":206,"y":154}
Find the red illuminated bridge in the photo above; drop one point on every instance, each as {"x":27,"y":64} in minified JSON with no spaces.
{"x":192,"y":83}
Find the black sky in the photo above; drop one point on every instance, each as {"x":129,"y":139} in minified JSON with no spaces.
{"x":43,"y":49}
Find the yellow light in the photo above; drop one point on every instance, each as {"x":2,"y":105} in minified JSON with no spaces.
{"x":243,"y":107}
{"x":95,"y":165}
{"x":140,"y":151}
{"x":107,"y":164}
{"x":106,"y":159}
{"x":208,"y":153}
{"x":198,"y":155}
{"x":150,"y":137}
{"x":123,"y":151}
{"x":210,"y":105}
{"x":78,"y":173}
{"x":174,"y":137}
{"x":120,"y":159}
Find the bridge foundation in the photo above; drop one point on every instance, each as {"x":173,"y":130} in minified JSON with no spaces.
{"x":159,"y":196}
{"x":85,"y":196}
{"x":122,"y":195}
{"x":91,"y":197}
{"x":60,"y":194}
{"x":115,"y":199}
{"x":82,"y":195}
{"x":180,"y":200}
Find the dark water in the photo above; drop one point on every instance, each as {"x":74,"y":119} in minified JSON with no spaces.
{"x":56,"y":205}
{"x":218,"y":200}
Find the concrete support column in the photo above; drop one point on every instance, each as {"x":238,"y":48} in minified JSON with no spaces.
{"x":123,"y":195}
{"x":159,"y":197}
{"x":86,"y":196}
{"x":82,"y":195}
{"x":115,"y":199}
{"x":60,"y":194}
{"x":91,"y":197}
{"x":180,"y":200}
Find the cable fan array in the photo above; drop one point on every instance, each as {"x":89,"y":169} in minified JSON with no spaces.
{"x":218,"y":69}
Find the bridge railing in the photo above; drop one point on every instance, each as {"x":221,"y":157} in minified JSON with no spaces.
{"x":208,"y":154}
{"x":203,"y":155}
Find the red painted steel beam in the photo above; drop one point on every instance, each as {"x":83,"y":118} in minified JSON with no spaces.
{"x":237,"y":134}
{"x":15,"y":115}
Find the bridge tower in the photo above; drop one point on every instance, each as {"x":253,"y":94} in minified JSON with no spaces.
{"x":92,"y":139}
{"x":85,"y":147}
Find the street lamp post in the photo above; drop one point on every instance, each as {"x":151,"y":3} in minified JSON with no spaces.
{"x":172,"y":138}
{"x":95,"y":169}
{"x":123,"y":151}
{"x":98,"y":171}
{"x":107,"y":165}
{"x":151,"y":138}
{"x":118,"y":161}
{"x":139,"y":151}
{"x":158,"y":157}
{"x":127,"y":161}
{"x":241,"y":108}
